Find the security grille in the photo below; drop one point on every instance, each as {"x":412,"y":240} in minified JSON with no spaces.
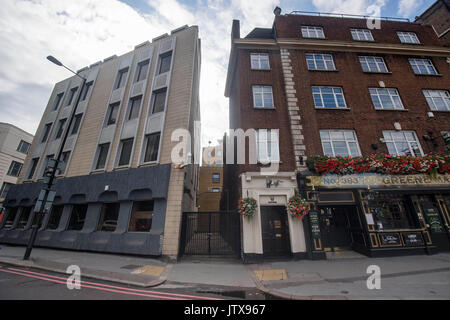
{"x":210,"y":233}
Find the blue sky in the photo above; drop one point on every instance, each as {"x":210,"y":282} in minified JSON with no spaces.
{"x":82,"y":32}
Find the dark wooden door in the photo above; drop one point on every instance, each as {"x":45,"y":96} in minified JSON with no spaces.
{"x":436,"y":226}
{"x":275,"y":231}
{"x":335,"y":227}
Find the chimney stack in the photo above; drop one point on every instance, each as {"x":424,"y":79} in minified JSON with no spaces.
{"x":277,"y":11}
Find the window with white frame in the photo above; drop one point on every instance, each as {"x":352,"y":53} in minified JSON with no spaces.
{"x":313,"y":32}
{"x":373,"y":64}
{"x":328,"y":97}
{"x":438,"y":100}
{"x":422,"y":66}
{"x":386,"y":98}
{"x":23,"y":147}
{"x":267,"y":145}
{"x":361,"y":34}
{"x":126,"y":148}
{"x":102,"y":154}
{"x":5,"y":188}
{"x":401,"y":143}
{"x":408,"y":37}
{"x":340,"y":143}
{"x":262,"y":97}
{"x":70,"y":96}
{"x":141,"y":71}
{"x":260,"y":61}
{"x":34,"y":163}
{"x":320,"y":61}
{"x":152,"y":147}
{"x":14,"y":169}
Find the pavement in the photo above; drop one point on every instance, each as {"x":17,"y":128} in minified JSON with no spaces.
{"x":343,"y":276}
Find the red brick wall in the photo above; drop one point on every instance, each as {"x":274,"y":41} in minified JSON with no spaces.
{"x":438,"y":16}
{"x":244,"y":116}
{"x":362,"y":116}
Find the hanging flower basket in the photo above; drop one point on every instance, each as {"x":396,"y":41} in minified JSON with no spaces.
{"x":247,"y":207}
{"x":298,"y":207}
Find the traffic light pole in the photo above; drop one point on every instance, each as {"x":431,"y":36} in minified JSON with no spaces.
{"x":48,"y":183}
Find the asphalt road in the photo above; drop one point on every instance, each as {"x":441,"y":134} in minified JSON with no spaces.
{"x":30,"y":284}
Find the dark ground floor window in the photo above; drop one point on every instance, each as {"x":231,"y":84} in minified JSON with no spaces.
{"x":393,"y":211}
{"x":141,"y":216}
{"x":77,"y":217}
{"x":24,"y":217}
{"x":109,"y":215}
{"x":55,"y":217}
{"x":11,"y":216}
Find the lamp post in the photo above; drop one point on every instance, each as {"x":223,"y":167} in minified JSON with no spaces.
{"x":47,"y":195}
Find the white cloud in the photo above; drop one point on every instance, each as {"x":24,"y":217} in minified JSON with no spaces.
{"x":85,"y":31}
{"x":77,"y":32}
{"x":407,"y":7}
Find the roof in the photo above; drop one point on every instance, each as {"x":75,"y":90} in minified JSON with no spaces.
{"x":434,"y":6}
{"x":260,"y":33}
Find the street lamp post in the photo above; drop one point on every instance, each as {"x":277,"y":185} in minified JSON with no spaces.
{"x":46,"y":194}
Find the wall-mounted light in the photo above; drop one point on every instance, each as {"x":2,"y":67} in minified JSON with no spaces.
{"x":314,"y":195}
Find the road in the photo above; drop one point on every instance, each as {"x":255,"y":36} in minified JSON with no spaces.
{"x":24,"y":284}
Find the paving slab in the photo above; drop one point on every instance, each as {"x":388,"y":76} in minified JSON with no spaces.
{"x":138,"y":271}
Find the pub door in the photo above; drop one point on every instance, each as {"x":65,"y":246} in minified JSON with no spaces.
{"x":435,"y":223}
{"x":275,"y":231}
{"x":335,"y":228}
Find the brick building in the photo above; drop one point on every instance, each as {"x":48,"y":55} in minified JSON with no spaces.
{"x":210,"y":181}
{"x":117,"y":190}
{"x":329,"y":85}
{"x":438,"y":16}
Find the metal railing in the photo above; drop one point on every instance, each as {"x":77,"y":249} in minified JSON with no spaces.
{"x":344,"y":15}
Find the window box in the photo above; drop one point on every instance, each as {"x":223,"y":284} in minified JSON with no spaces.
{"x":381,"y":164}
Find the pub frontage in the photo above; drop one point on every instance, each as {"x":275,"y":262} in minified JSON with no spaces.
{"x":377,"y":214}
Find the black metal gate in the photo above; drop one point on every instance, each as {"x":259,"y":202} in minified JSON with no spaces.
{"x":210,"y":233}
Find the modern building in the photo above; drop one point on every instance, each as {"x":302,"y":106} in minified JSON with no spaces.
{"x":117,"y":189}
{"x":318,"y":86}
{"x":438,"y":16}
{"x":14,"y":146}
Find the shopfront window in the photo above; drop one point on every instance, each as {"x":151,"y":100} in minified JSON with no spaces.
{"x":141,"y":216}
{"x":392,"y":212}
{"x":24,"y":217}
{"x":55,"y":217}
{"x":77,"y":217}
{"x":11,"y":216}
{"x":109,"y":216}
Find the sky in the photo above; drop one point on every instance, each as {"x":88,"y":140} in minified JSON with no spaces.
{"x":83,"y":32}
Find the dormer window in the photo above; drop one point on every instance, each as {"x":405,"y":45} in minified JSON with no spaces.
{"x":313,"y":32}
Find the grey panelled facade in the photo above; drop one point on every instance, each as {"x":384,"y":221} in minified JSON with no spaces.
{"x":131,"y":185}
{"x":117,"y":190}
